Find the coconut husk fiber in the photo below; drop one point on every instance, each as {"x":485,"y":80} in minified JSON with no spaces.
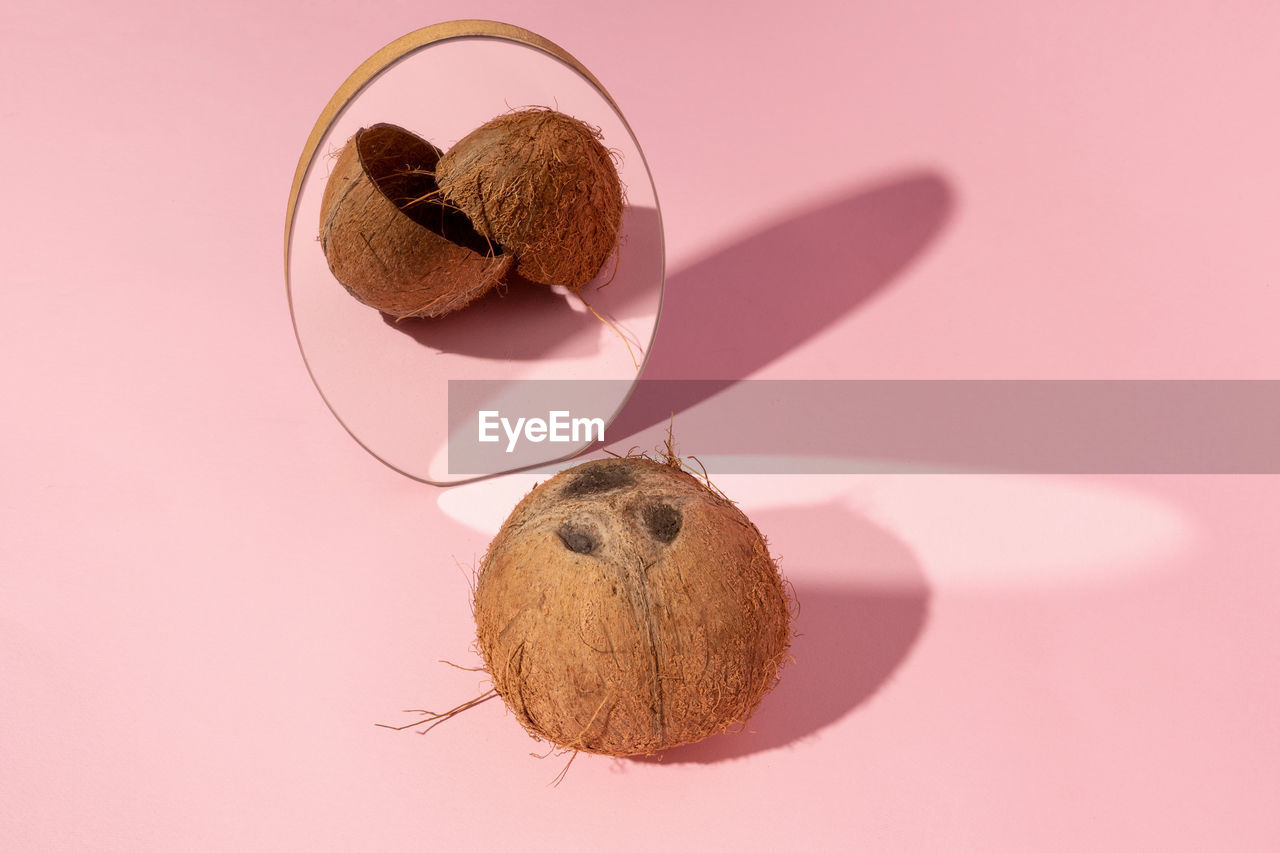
{"x":541,"y":185}
{"x":388,"y":236}
{"x":625,"y":608}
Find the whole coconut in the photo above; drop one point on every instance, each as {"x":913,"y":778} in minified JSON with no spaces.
{"x":541,"y":185}
{"x":625,"y":607}
{"x":390,"y":239}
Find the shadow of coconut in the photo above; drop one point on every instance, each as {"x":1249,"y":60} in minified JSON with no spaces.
{"x":496,"y":326}
{"x":525,"y":321}
{"x":729,"y":315}
{"x":854,"y":630}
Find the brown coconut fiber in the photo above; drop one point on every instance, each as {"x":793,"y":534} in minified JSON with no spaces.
{"x":388,"y":236}
{"x":543,"y":186}
{"x":625,"y":607}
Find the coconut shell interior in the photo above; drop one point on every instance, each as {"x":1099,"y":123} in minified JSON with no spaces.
{"x":388,"y":236}
{"x":625,"y":608}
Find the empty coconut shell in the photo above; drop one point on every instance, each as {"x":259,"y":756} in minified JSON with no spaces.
{"x":625,"y":607}
{"x":388,"y":236}
{"x":541,"y":185}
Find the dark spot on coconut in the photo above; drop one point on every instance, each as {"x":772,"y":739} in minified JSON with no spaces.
{"x":663,"y":521}
{"x":577,"y":539}
{"x":597,"y":479}
{"x":403,"y":167}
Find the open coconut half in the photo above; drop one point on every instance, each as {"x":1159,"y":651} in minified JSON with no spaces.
{"x":388,"y":236}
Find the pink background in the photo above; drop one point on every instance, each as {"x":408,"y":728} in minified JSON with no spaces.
{"x":210,"y":592}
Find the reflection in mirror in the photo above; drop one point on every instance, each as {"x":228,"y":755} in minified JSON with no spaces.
{"x":386,"y":380}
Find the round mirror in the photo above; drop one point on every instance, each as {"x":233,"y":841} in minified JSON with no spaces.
{"x":388,"y":381}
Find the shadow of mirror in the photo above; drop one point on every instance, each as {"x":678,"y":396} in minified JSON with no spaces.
{"x":728,"y":315}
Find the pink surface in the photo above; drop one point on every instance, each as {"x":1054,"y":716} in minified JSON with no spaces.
{"x":210,"y":593}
